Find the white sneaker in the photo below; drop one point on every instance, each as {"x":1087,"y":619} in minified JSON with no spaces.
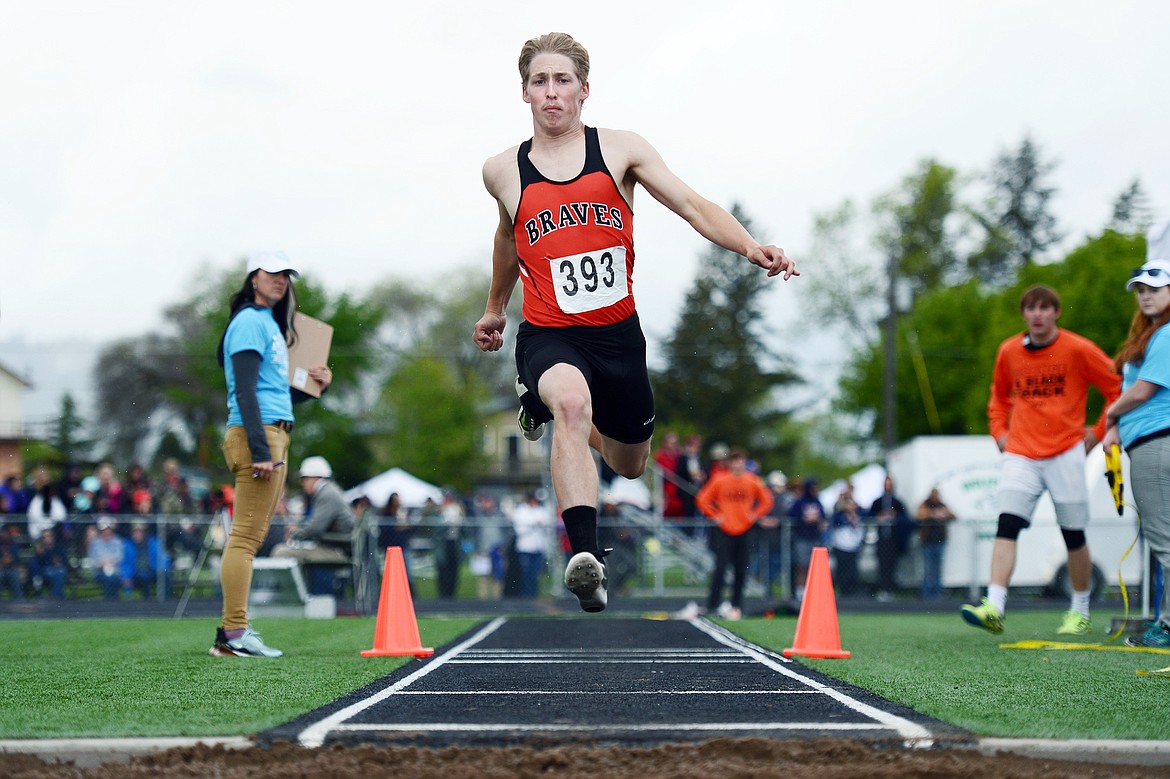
{"x":250,"y":645}
{"x":689,"y":611}
{"x":585,"y":578}
{"x":724,"y":609}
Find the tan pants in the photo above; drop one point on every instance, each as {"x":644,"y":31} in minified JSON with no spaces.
{"x":256,"y":500}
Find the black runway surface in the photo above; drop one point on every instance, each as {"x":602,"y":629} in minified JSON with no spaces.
{"x":590,"y":680}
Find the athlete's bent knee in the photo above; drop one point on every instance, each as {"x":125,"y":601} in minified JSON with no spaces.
{"x":1074,"y":539}
{"x":629,"y":469}
{"x":1010,"y":526}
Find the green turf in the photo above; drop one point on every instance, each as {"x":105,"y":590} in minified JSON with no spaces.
{"x":91,"y":678}
{"x":106,"y":678}
{"x":939,"y":665}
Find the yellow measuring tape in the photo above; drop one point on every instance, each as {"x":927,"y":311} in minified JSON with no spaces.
{"x":1117,"y":487}
{"x":1041,"y":644}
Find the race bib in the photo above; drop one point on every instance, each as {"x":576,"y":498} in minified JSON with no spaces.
{"x":587,"y":282}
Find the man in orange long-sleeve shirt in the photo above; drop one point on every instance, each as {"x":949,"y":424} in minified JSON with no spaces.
{"x":1036,"y":414}
{"x":734,"y":500}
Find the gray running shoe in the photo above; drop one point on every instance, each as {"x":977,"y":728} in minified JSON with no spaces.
{"x":251,"y":645}
{"x":585,"y":578}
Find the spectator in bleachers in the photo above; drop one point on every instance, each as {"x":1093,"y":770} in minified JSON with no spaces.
{"x":846,"y":539}
{"x":69,"y":486}
{"x":449,"y":545}
{"x":45,"y":511}
{"x":491,"y":539}
{"x":137,"y":479}
{"x":809,"y":524}
{"x":144,"y":563}
{"x":933,"y":517}
{"x":692,"y":475}
{"x":534,"y":525}
{"x":327,"y":533}
{"x":718,"y":463}
{"x":85,"y":500}
{"x":894,"y":527}
{"x":667,"y":460}
{"x":16,"y":494}
{"x":394,"y":529}
{"x":111,"y":496}
{"x":105,"y":558}
{"x":185,"y":542}
{"x":11,"y":568}
{"x":172,"y":496}
{"x":49,"y":565}
{"x":769,"y":533}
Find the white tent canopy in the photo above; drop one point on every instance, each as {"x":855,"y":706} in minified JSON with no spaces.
{"x":412,"y":491}
{"x":868,"y":485}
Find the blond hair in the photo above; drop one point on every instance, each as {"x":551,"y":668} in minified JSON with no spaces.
{"x":554,"y":43}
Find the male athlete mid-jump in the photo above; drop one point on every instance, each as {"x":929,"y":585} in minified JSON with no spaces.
{"x":566,"y":231}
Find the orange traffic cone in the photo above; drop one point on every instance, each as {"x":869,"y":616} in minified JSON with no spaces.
{"x":817,"y":634}
{"x":396,"y":631}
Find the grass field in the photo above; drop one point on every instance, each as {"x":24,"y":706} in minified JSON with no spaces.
{"x":106,"y":678}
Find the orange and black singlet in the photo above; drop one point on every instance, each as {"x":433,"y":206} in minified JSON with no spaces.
{"x":575,"y":242}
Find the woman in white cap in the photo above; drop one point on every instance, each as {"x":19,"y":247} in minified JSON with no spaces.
{"x":254,"y":355}
{"x":1139,"y":421}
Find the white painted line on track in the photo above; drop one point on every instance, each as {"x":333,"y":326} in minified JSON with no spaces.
{"x":607,"y":693}
{"x":314,"y":735}
{"x":912,"y":733}
{"x":443,"y":727}
{"x":729,"y":660}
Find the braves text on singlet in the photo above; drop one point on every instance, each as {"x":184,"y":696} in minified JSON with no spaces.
{"x":575,"y":243}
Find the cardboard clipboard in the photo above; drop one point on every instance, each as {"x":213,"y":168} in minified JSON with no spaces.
{"x":311,"y":350}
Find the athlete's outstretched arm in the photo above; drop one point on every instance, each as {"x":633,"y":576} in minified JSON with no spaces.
{"x":489,"y":330}
{"x":709,"y":220}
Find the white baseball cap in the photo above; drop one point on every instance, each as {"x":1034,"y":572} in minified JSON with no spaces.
{"x":1155,"y":273}
{"x":316,"y":466}
{"x":272,"y":261}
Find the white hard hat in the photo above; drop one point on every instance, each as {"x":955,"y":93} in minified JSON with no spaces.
{"x":316,"y":466}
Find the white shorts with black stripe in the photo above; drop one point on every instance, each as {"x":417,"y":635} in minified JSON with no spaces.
{"x":1023,"y":480}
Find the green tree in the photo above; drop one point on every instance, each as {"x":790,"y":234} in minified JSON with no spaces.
{"x":916,"y":227}
{"x":1131,"y":210}
{"x":720,"y":375}
{"x":851,"y":299}
{"x":1017,"y":222}
{"x":68,"y":431}
{"x":429,"y":418}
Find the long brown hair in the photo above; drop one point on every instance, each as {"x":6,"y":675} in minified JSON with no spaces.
{"x":282,"y":311}
{"x":1141,"y":330}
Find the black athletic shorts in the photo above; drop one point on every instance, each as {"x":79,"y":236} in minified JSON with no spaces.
{"x":613,"y":360}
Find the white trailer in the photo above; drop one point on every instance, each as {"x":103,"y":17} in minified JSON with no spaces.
{"x":965,"y":469}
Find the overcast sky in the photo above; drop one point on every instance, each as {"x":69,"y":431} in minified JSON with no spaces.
{"x":145,"y":142}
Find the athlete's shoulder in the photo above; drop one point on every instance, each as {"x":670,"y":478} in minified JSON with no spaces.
{"x":501,"y":163}
{"x":501,"y":175}
{"x":626,"y":141}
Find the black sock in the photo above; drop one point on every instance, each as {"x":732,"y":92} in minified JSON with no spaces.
{"x":581,"y":528}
